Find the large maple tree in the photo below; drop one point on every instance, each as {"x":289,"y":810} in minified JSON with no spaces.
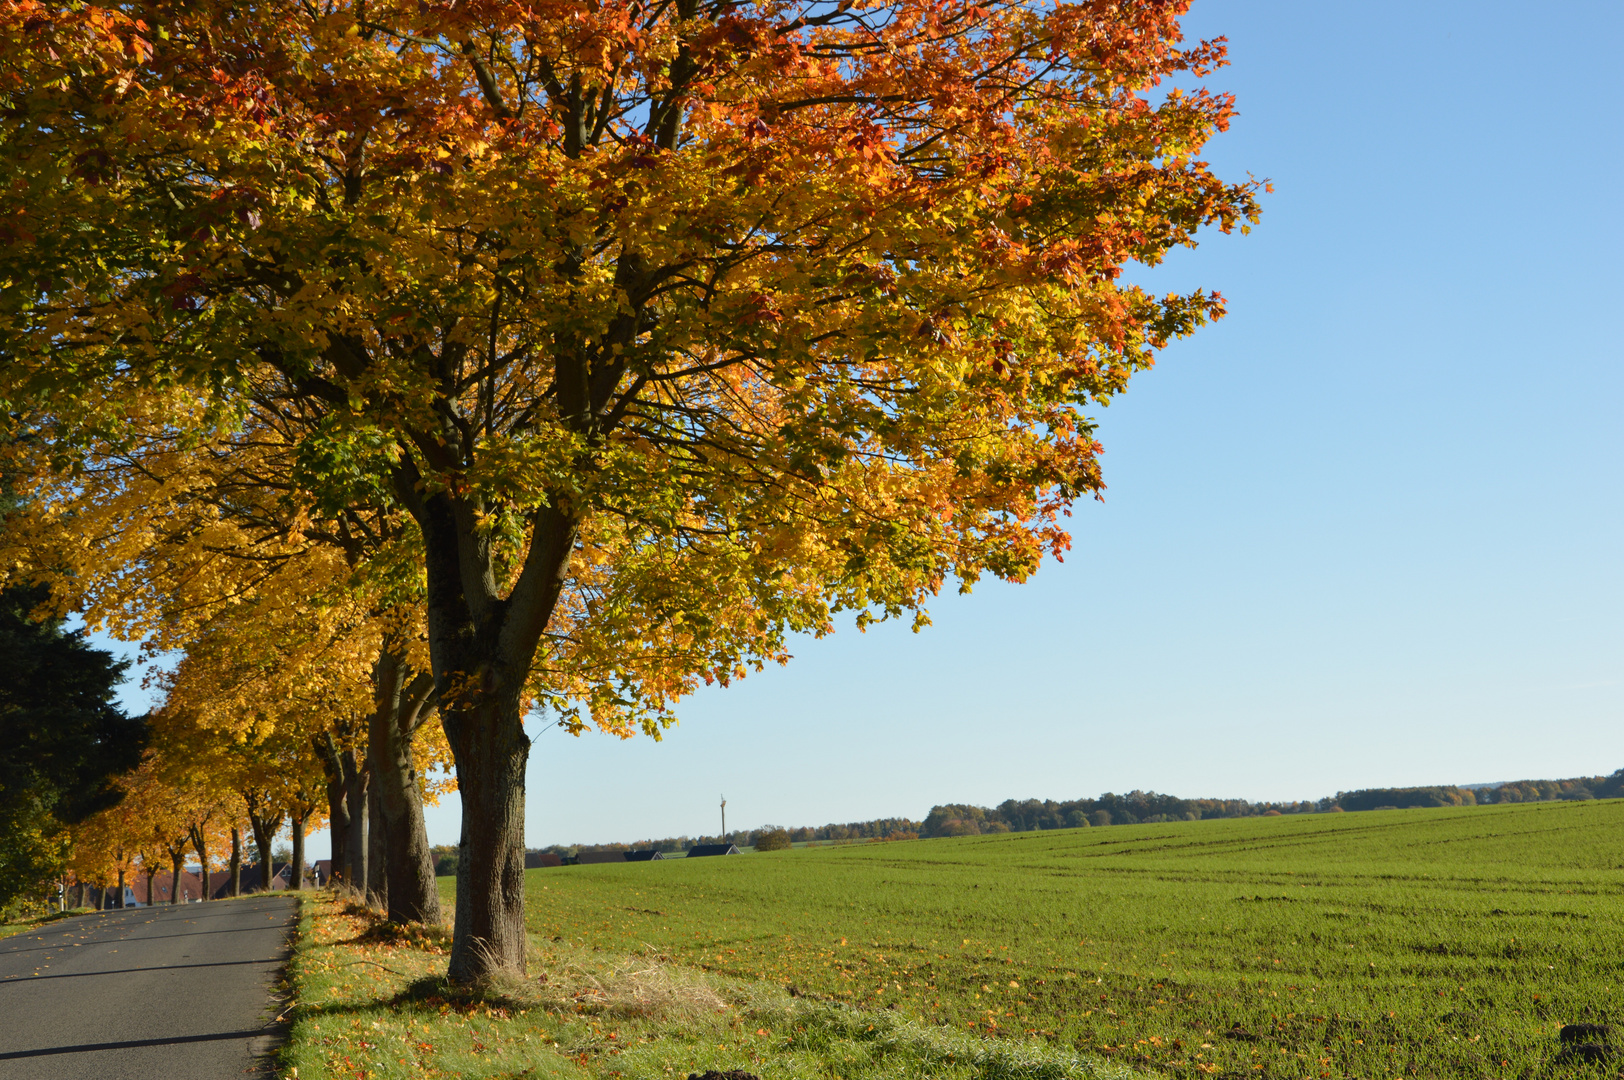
{"x":675,"y":326}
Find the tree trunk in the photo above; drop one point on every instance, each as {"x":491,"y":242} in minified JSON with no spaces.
{"x":265,"y":826}
{"x":377,"y":849}
{"x":400,"y":700}
{"x":490,"y":861}
{"x":120,"y":888}
{"x":203,"y":864}
{"x":296,"y":874}
{"x":338,"y":812}
{"x":152,"y":872}
{"x":355,"y":795}
{"x":79,"y":894}
{"x":176,"y":859}
{"x":235,"y":886}
{"x":482,"y":646}
{"x":338,"y":831}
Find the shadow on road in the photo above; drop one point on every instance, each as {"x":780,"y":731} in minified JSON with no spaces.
{"x":131,"y":1044}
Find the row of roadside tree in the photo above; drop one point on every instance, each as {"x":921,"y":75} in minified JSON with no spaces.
{"x":510,"y":364}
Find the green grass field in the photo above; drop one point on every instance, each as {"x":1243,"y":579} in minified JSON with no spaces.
{"x":1432,"y":943}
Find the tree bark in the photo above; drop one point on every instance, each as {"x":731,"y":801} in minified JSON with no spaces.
{"x":176,"y":862}
{"x":377,"y":848}
{"x":152,"y":872}
{"x":121,"y":888}
{"x":79,"y":896}
{"x":355,"y":797}
{"x":265,"y":823}
{"x":490,"y":860}
{"x":338,"y":812}
{"x":235,"y":886}
{"x":199,"y":842}
{"x":482,"y":646}
{"x":401,"y":700}
{"x":296,"y":875}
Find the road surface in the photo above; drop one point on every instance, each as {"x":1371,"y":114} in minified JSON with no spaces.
{"x":181,"y":991}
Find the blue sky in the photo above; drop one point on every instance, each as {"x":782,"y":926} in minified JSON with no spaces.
{"x":1364,"y":532}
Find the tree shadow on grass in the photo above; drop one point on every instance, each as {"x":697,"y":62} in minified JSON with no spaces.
{"x":430,"y":992}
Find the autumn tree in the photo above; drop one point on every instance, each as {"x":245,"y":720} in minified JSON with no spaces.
{"x":196,"y":536}
{"x":171,"y":827}
{"x":153,"y":821}
{"x":674,"y":327}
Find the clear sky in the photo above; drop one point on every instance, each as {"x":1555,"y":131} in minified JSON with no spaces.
{"x":1364,"y":532}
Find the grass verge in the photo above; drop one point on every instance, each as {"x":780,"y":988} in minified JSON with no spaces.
{"x":21,"y":925}
{"x":372,"y":1004}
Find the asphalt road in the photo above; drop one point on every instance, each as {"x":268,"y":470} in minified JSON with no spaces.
{"x":180,"y":991}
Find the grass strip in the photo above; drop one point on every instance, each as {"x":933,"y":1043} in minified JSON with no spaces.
{"x":371,"y":1003}
{"x":23,"y":925}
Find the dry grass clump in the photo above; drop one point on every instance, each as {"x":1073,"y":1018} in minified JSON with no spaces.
{"x":639,"y":987}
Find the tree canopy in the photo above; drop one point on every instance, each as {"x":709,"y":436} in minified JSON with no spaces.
{"x":673,"y":328}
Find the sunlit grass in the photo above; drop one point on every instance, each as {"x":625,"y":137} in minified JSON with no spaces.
{"x":1406,"y":943}
{"x":18,"y":926}
{"x":370,"y":1003}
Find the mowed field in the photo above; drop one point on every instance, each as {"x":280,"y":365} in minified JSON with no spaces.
{"x":1431,"y":943}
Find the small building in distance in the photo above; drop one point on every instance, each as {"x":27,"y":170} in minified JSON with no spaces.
{"x":189,"y":889}
{"x":587,"y":858}
{"x":712,"y":849}
{"x":220,"y":880}
{"x":644,"y":855}
{"x":535,"y":860}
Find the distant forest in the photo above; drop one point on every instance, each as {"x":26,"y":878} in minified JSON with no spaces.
{"x":1146,"y":807}
{"x":1134,"y":808}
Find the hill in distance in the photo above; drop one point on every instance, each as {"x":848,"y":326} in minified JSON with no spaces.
{"x":1135,"y":807}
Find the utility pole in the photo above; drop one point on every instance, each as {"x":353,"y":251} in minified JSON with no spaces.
{"x":724,"y":819}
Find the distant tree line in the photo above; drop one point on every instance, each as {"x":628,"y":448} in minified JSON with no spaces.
{"x":1518,"y":791}
{"x":775,"y":836}
{"x":1134,"y":808}
{"x":1148,"y":807}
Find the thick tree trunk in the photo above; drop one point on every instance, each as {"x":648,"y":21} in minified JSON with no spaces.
{"x":482,"y":646}
{"x":400,"y":699}
{"x":235,"y":886}
{"x":377,"y":848}
{"x":296,"y":875}
{"x":152,"y":872}
{"x":120,"y":904}
{"x":199,"y":842}
{"x":79,"y":894}
{"x":355,"y":798}
{"x":177,"y":860}
{"x":490,"y":862}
